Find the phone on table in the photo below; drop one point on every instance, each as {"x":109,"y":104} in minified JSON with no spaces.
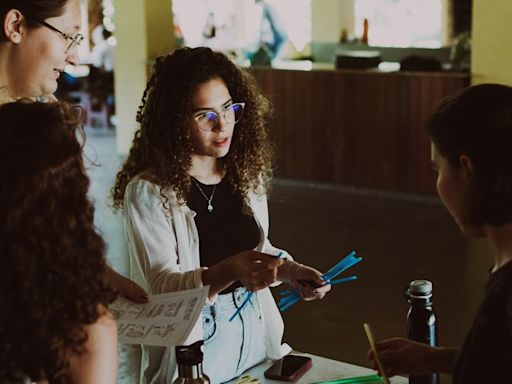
{"x":289,"y":368}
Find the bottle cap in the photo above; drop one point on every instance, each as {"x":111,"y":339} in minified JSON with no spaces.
{"x":189,"y":354}
{"x":422,"y":288}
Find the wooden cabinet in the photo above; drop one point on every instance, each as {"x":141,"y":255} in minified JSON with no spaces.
{"x":356,"y":128}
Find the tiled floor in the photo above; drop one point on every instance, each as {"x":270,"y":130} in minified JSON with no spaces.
{"x":400,"y":237}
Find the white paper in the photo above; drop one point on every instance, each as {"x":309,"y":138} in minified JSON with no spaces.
{"x":165,"y":320}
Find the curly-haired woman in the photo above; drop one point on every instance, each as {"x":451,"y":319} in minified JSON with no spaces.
{"x":193,"y":194}
{"x":38,"y":39}
{"x":55,"y":326}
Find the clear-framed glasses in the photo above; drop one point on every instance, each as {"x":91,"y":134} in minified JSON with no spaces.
{"x":231,"y":113}
{"x":72,"y":41}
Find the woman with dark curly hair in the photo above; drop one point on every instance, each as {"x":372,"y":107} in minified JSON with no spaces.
{"x":55,"y":326}
{"x":38,"y":39}
{"x":471,"y":134}
{"x":193,"y":194}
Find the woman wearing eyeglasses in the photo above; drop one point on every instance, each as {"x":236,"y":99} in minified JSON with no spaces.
{"x":38,"y":39}
{"x":193,"y":195}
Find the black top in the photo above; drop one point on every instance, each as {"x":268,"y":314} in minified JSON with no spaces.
{"x":224,"y":231}
{"x":486,"y":356}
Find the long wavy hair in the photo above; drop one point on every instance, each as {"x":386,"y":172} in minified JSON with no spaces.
{"x":162,"y":148}
{"x":52,"y":260}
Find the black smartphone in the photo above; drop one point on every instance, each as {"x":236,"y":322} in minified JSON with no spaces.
{"x":289,"y":368}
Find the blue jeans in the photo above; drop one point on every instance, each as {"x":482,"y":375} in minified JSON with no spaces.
{"x":232,"y":347}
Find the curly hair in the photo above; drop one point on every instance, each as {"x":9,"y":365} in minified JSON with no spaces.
{"x":477,"y":122}
{"x":52,"y":277}
{"x":162,"y":147}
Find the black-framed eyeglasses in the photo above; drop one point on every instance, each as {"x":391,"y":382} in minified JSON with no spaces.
{"x":231,"y":113}
{"x":73,"y":41}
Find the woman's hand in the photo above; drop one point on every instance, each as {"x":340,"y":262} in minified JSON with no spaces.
{"x":126,"y":287}
{"x":255,"y":270}
{"x":308,"y":280}
{"x":404,"y":356}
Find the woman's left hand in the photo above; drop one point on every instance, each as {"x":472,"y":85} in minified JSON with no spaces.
{"x":308,"y":280}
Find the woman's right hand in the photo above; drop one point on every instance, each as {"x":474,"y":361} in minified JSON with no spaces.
{"x":255,"y":270}
{"x":404,"y":356}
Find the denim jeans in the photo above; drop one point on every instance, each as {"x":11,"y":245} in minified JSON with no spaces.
{"x":231,"y":347}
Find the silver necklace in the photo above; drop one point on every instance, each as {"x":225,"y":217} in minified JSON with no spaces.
{"x":208,"y":199}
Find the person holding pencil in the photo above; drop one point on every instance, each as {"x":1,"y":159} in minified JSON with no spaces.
{"x":471,"y":134}
{"x":193,"y":194}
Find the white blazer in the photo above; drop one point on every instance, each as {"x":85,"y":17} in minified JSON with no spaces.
{"x":164,"y":257}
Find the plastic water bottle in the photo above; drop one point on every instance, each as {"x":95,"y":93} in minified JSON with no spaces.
{"x":421,"y":323}
{"x":190,"y":364}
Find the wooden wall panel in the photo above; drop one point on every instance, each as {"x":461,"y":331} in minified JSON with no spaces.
{"x":355,"y":128}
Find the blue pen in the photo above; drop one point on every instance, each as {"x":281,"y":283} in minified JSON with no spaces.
{"x":343,"y":280}
{"x":285,"y":306}
{"x":343,"y":265}
{"x":249,"y":294}
{"x":291,"y":296}
{"x":332,"y":274}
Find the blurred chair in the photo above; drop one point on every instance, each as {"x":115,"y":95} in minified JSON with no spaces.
{"x":96,"y":111}
{"x":98,"y":98}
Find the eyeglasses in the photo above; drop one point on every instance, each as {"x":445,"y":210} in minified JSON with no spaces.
{"x":232,"y":114}
{"x":73,"y":41}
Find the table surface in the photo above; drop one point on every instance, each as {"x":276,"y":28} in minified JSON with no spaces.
{"x":323,"y":369}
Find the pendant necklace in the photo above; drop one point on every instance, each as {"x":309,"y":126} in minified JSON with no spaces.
{"x":208,"y":199}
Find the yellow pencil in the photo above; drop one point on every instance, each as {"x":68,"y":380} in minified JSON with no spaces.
{"x":371,"y":340}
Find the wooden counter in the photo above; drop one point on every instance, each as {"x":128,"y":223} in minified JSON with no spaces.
{"x":355,"y":127}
